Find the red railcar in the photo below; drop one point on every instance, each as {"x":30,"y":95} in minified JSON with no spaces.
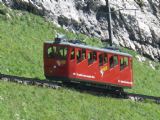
{"x":78,"y":62}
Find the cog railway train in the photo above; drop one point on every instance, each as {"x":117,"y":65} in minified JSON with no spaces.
{"x":74,"y":62}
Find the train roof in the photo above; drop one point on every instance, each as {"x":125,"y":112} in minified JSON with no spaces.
{"x":90,"y":47}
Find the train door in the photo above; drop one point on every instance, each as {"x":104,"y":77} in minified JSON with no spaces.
{"x":92,"y":65}
{"x":81,"y":61}
{"x":103,"y":66}
{"x":125,"y":71}
{"x":113,"y":73}
{"x":72,"y":63}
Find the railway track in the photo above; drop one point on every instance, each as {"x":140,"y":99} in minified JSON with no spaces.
{"x":30,"y":81}
{"x":82,"y":88}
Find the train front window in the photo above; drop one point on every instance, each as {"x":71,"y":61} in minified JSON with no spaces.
{"x":51,"y":51}
{"x":59,"y":52}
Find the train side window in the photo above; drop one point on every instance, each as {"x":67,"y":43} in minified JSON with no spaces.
{"x":100,"y":59}
{"x":105,"y":58}
{"x":92,"y":57}
{"x":83,"y":54}
{"x":113,"y":61}
{"x":79,"y":56}
{"x":123,"y":63}
{"x":65,"y":51}
{"x":72,"y":54}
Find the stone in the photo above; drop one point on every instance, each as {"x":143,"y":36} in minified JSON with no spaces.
{"x":140,"y":58}
{"x":151,"y":65}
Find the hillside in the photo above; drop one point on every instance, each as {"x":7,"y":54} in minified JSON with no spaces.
{"x":21,"y":44}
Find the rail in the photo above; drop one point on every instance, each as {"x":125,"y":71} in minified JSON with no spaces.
{"x":77,"y":86}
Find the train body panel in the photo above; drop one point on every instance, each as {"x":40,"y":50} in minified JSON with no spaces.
{"x":87,"y":64}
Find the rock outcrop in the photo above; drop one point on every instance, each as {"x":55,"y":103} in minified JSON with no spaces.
{"x":135,"y":29}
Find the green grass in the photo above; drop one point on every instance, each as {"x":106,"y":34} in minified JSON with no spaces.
{"x":19,"y":102}
{"x":21,"y":53}
{"x":147,"y":80}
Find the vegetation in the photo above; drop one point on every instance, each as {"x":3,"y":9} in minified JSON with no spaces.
{"x":21,"y":53}
{"x":20,"y":102}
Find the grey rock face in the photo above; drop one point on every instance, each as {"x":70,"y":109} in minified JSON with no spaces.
{"x":138,"y":30}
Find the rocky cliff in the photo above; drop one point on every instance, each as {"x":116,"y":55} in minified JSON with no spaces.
{"x":136,"y":23}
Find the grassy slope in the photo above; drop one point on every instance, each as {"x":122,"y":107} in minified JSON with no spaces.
{"x":33,"y":103}
{"x":21,"y":41}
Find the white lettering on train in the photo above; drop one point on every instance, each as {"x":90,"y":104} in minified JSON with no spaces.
{"x":125,"y":82}
{"x":83,"y":75}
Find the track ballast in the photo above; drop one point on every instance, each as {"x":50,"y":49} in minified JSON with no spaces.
{"x":79,"y":87}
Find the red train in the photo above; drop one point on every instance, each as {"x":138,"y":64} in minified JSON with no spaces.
{"x":70,"y":61}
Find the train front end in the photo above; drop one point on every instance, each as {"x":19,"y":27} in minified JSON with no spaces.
{"x":55,"y":60}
